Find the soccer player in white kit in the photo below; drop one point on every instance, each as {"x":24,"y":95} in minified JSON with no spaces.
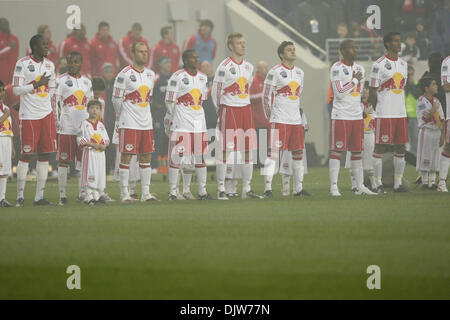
{"x":131,"y":98}
{"x":347,"y":125}
{"x":73,"y":92}
{"x":445,"y":155}
{"x":281,"y":103}
{"x":34,"y":82}
{"x":93,"y":138}
{"x":387,"y":82}
{"x":231,"y":97}
{"x":6,"y":147}
{"x":185,"y":94}
{"x":430,"y":118}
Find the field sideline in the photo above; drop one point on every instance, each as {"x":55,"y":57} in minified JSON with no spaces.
{"x":283,"y":248}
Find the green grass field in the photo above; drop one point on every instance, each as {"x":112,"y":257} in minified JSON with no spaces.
{"x":283,"y":248}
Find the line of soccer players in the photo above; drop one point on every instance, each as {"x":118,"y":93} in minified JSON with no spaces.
{"x":66,"y":105}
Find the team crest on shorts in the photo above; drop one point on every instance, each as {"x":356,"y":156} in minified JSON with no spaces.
{"x":278,"y":143}
{"x":339,"y":144}
{"x":129,"y":147}
{"x":230,"y":145}
{"x":64,"y":155}
{"x":385,"y":138}
{"x":26,"y":148}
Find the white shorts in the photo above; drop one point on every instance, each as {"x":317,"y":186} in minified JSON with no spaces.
{"x":134,"y":167}
{"x":93,"y":169}
{"x":368,"y":146}
{"x":428,"y":153}
{"x":5,"y":155}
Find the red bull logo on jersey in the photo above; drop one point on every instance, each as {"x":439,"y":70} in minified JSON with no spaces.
{"x":141,"y":96}
{"x":5,"y":128}
{"x":77,"y":100}
{"x":41,"y":91}
{"x":192,"y":99}
{"x":238,"y":88}
{"x":356,"y":90}
{"x":292,"y":90}
{"x":96,"y":138}
{"x":396,"y":83}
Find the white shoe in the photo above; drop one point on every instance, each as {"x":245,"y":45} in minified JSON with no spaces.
{"x":365,"y":190}
{"x":126,"y":199}
{"x":335,"y":192}
{"x":221,"y":195}
{"x":442,"y":188}
{"x":148,"y":197}
{"x":286,"y":193}
{"x":179,"y":196}
{"x":105,"y":197}
{"x":188,"y":196}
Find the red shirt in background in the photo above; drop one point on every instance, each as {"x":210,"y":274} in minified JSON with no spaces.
{"x":8,"y":56}
{"x":73,"y":44}
{"x":125,"y":50}
{"x":52,"y":55}
{"x":161,"y":49}
{"x":256,"y":90}
{"x":11,"y":100}
{"x":103,"y":52}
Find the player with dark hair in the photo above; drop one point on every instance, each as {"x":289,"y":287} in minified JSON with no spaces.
{"x":77,"y":41}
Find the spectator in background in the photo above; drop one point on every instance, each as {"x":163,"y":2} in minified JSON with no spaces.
{"x":410,"y":52}
{"x":165,"y":47}
{"x":203,"y":42}
{"x":422,"y":39}
{"x":440,"y":34}
{"x":77,"y":41}
{"x":109,"y":116}
{"x":134,"y":35}
{"x":158,"y":110}
{"x":61,"y":66}
{"x":208,"y":105}
{"x":357,"y":31}
{"x":412,"y":93}
{"x":45,"y":31}
{"x":435,"y":59}
{"x":103,"y":49}
{"x":9,"y":52}
{"x":342,"y":30}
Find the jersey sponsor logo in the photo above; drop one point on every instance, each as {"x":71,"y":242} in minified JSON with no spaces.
{"x":345,"y":71}
{"x":133,"y":77}
{"x":388,"y":66}
{"x":31,"y":68}
{"x":41,"y":91}
{"x":185,"y":81}
{"x":192,"y":99}
{"x":69,"y":83}
{"x":77,"y":99}
{"x":233,"y":70}
{"x":239,"y":88}
{"x":18,"y":68}
{"x":396,"y":83}
{"x":283,"y":74}
{"x":292,"y":90}
{"x":141,"y":96}
{"x":385,"y":138}
{"x":27,"y":148}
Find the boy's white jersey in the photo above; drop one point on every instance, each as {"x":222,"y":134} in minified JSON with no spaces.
{"x":34,"y":103}
{"x":347,"y":91}
{"x":72,"y":95}
{"x":188,"y":91}
{"x":390,"y":77}
{"x":131,"y":96}
{"x":281,"y":94}
{"x":423,"y":108}
{"x":6,"y":126}
{"x":232,"y":82}
{"x":94,"y":132}
{"x":445,"y":75}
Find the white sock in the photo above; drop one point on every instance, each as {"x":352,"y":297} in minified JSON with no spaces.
{"x":443,"y":168}
{"x":352,"y":178}
{"x":432,"y":178}
{"x":399,"y":167}
{"x":62,"y":180}
{"x":378,"y":170}
{"x":187,"y":179}
{"x":334,"y":166}
{"x":221,"y":170}
{"x":145,"y":172}
{"x":424,"y":175}
{"x":201,"y":180}
{"x":124,"y":175}
{"x":298,"y":172}
{"x":3,"y":181}
{"x":286,"y":181}
{"x":173,"y":180}
{"x":269,"y":171}
{"x":22,"y":170}
{"x":132,"y":186}
{"x":89,"y":194}
{"x":247,"y":173}
{"x":228,"y":186}
{"x":373,"y":183}
{"x":358,"y":173}
{"x":42,"y":174}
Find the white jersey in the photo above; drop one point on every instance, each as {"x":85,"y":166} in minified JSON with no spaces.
{"x":347,"y":91}
{"x":369,"y":120}
{"x":34,"y":103}
{"x":423,"y":107}
{"x":281,"y":94}
{"x":72,"y":95}
{"x":131,"y":97}
{"x":231,"y":83}
{"x":389,"y":76}
{"x":445,"y":75}
{"x":6,"y":126}
{"x":188,"y":91}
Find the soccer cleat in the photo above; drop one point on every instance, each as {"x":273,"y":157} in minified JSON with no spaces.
{"x":172,"y":197}
{"x":418,"y":180}
{"x":442,"y":188}
{"x":380,"y":190}
{"x":302,"y":193}
{"x":180,"y":196}
{"x":188,"y":196}
{"x":148,"y":197}
{"x":127,"y":199}
{"x":354,"y":189}
{"x":62,"y":201}
{"x":105,"y":198}
{"x":101,"y":200}
{"x":335,"y":192}
{"x":401,"y":188}
{"x":285,"y":193}
{"x":80,"y":198}
{"x":5,"y":204}
{"x":42,"y":202}
{"x":433,"y":187}
{"x":205,"y":197}
{"x":268,"y":194}
{"x":365,"y":191}
{"x":91,"y":202}
{"x":134,"y":196}
{"x":251,"y":195}
{"x":20,"y":202}
{"x":222,"y":196}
